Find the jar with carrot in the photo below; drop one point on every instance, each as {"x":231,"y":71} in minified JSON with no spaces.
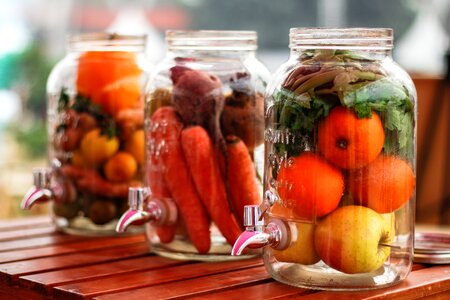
{"x":96,"y":133}
{"x":204,"y":117}
{"x":340,"y":156}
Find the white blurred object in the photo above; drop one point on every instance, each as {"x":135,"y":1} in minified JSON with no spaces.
{"x":423,"y":46}
{"x":11,"y":107}
{"x":13,"y":32}
{"x":132,"y":20}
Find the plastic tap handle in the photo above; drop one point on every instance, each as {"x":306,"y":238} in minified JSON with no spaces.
{"x":41,"y":177}
{"x":136,"y":213}
{"x":34,"y":195}
{"x":276,"y":233}
{"x":136,"y":197}
{"x":253,"y":216}
{"x":144,"y":209}
{"x":253,"y":235}
{"x":129,"y":217}
{"x":256,"y":239}
{"x":40,"y":191}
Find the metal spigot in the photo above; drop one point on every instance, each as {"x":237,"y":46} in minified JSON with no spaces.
{"x":257,"y":235}
{"x":144,"y":208}
{"x":253,"y":218}
{"x":41,"y":190}
{"x":136,"y":197}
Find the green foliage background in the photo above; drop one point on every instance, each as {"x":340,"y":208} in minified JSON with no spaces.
{"x":27,"y":73}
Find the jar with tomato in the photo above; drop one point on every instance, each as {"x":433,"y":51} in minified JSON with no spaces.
{"x":95,"y":128}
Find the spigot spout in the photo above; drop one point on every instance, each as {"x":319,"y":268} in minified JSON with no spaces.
{"x":131,"y":216}
{"x":35,"y":195}
{"x":136,"y":213}
{"x":41,"y":191}
{"x":257,"y":235}
{"x":159,"y":211}
{"x":251,"y":239}
{"x":253,"y":236}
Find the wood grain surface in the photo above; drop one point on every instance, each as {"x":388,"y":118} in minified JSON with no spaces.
{"x":36,"y":262}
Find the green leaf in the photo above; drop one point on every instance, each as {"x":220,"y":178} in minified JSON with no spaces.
{"x":392,"y":101}
{"x":284,"y":95}
{"x":299,"y":114}
{"x":349,"y":81}
{"x":63,"y":101}
{"x":376,"y":94}
{"x":363,"y":110}
{"x":108,"y":126}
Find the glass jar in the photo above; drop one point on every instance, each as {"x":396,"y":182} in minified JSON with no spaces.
{"x":339,"y":177}
{"x":204,"y":121}
{"x":95,"y":113}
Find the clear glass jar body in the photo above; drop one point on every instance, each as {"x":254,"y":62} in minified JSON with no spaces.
{"x":95,"y":129}
{"x":340,"y":148}
{"x":204,"y":137}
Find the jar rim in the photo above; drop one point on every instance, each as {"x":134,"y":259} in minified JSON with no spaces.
{"x":106,"y":41}
{"x":341,"y":38}
{"x":233,"y":40}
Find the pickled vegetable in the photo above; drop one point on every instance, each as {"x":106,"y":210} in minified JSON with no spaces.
{"x":214,"y":163}
{"x":340,"y":157}
{"x":99,"y":138}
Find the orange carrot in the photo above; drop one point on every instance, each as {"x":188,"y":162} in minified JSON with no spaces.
{"x":166,"y":233}
{"x":156,"y":182}
{"x":159,"y":189}
{"x":165,"y":129}
{"x":242,"y":182}
{"x":200,"y":155}
{"x":90,"y":181}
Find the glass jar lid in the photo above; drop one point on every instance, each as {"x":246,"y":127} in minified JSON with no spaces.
{"x":103,"y":41}
{"x":341,"y":38}
{"x":211,"y":40}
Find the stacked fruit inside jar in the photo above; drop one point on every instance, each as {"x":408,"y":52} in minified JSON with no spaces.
{"x":98,"y":138}
{"x":341,"y":158}
{"x":202,"y":131}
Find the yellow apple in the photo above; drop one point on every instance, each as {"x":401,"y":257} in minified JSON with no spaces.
{"x":352,"y":239}
{"x":302,"y":250}
{"x":97,"y":147}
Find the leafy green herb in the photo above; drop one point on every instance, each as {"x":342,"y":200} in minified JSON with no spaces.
{"x":107,"y":125}
{"x":391,"y":100}
{"x":61,"y":127}
{"x":351,"y":80}
{"x":298,"y":115}
{"x":377,"y":94}
{"x":82,"y":104}
{"x":400,"y":138}
{"x":63,"y":101}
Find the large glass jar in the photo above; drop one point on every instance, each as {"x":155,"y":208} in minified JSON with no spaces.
{"x":95,"y":112}
{"x":339,"y":174}
{"x":204,"y":120}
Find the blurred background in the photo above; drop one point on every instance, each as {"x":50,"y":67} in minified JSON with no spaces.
{"x":33,"y":35}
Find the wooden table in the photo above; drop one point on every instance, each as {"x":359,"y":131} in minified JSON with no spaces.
{"x":36,"y":262}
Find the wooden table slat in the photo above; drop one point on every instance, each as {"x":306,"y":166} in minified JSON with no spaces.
{"x":9,"y":292}
{"x":45,"y":281}
{"x":11,"y":271}
{"x":265,"y":290}
{"x":22,"y":223}
{"x":141,"y":279}
{"x":36,"y":262}
{"x":36,"y":242}
{"x":27,"y":233}
{"x":195,"y":286}
{"x":86,"y":244}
